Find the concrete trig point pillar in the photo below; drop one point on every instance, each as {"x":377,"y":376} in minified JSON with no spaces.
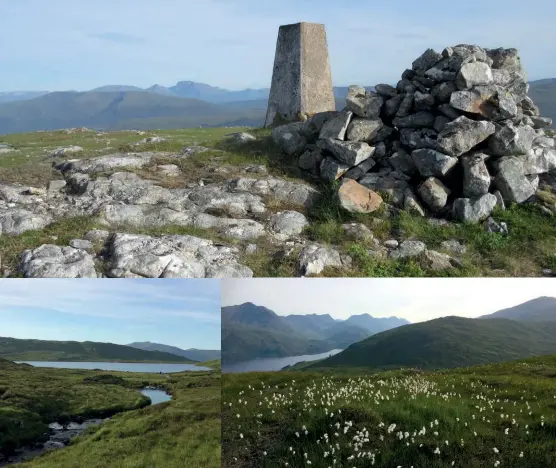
{"x":301,"y":79}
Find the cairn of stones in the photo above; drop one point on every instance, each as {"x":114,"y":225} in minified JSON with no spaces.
{"x":457,"y":136}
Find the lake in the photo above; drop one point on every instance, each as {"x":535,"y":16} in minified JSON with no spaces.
{"x":156,"y":396}
{"x":274,"y":364}
{"x":147,"y":367}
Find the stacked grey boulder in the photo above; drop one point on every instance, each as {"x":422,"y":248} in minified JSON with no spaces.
{"x":455,"y":137}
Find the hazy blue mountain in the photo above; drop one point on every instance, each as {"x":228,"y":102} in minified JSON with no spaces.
{"x":376,"y":324}
{"x":11,"y":96}
{"x":541,"y":309}
{"x":160,"y":90}
{"x":191,"y":353}
{"x":115,"y":89}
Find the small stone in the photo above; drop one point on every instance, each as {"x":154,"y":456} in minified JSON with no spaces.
{"x":440,"y":122}
{"x":422,"y":119}
{"x":56,"y":185}
{"x":357,"y":198}
{"x":357,"y":232}
{"x":289,"y":139}
{"x":479,"y":101}
{"x":81,"y":244}
{"x":433,"y":163}
{"x":287,"y":223}
{"x":476,"y":179}
{"x":314,"y":258}
{"x":391,"y":244}
{"x":436,"y":261}
{"x":363,"y":129}
{"x":386,"y":90}
{"x":96,"y":235}
{"x":427,"y":60}
{"x":168,"y":170}
{"x":331,"y":170}
{"x":251,"y":249}
{"x":493,"y":226}
{"x":408,"y":249}
{"x":473,"y":74}
{"x":473,"y":210}
{"x":511,"y":180}
{"x":350,"y":153}
{"x":454,"y":246}
{"x":310,"y":160}
{"x":411,"y":204}
{"x":239,"y":138}
{"x":402,"y":162}
{"x":434,"y":193}
{"x":336,"y":127}
{"x":360,"y":170}
{"x":499,"y":200}
{"x":463,"y":134}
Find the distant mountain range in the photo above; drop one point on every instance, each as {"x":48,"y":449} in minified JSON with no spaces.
{"x":191,"y":353}
{"x":44,"y":350}
{"x":186,"y":104}
{"x":522,"y":331}
{"x":250,"y":331}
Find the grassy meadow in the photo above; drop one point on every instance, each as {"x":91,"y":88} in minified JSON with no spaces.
{"x":182,"y":432}
{"x":493,"y":415}
{"x":528,"y":249}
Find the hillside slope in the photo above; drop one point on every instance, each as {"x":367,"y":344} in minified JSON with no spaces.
{"x":191,"y":353}
{"x":541,"y":309}
{"x":448,"y":342}
{"x":43,"y":350}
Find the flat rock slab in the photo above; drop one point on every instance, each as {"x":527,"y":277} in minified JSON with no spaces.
{"x":408,"y":249}
{"x":108,"y":162}
{"x":178,"y":256}
{"x":16,"y":221}
{"x":54,"y":261}
{"x":287,"y":224}
{"x":284,"y":190}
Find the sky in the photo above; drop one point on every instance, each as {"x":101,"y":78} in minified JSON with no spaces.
{"x":176,"y":312}
{"x":415,"y":299}
{"x":68,"y":45}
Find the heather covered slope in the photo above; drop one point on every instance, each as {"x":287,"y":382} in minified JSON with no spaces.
{"x":447,"y":343}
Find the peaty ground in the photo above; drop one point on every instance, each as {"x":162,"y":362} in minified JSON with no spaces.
{"x":494,"y":415}
{"x":182,"y":432}
{"x":241,"y":196}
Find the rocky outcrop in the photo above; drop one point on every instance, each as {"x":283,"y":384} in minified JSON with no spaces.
{"x":457,"y":130}
{"x":124,"y":202}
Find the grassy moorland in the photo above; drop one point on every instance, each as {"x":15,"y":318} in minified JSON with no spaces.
{"x":528,"y":249}
{"x":493,"y":415}
{"x":182,"y":432}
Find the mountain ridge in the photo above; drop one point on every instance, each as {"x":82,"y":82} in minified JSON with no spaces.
{"x":525,"y":330}
{"x":193,"y":354}
{"x":250,"y":331}
{"x":16,"y":349}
